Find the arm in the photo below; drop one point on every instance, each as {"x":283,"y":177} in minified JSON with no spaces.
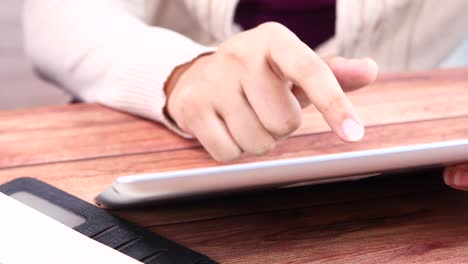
{"x":101,"y":51}
{"x":239,"y":99}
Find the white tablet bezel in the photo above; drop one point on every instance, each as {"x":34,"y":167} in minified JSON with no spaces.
{"x":146,"y":188}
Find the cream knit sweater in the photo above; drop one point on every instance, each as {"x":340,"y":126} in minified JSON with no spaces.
{"x":120,"y":52}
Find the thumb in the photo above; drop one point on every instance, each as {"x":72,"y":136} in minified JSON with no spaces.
{"x":354,"y":73}
{"x":351,"y":74}
{"x":457,"y":177}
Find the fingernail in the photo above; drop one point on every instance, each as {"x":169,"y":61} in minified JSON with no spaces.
{"x":448,"y":176}
{"x":352,"y":130}
{"x":460,"y":177}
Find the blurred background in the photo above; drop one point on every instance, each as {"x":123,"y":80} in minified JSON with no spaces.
{"x":20,"y":88}
{"x":17,"y":81}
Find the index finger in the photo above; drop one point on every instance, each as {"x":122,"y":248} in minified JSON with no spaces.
{"x":294,"y":61}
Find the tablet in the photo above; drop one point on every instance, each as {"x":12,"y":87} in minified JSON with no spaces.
{"x":162,"y":186}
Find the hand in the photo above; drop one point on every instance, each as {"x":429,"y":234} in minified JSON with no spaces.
{"x":248,"y":94}
{"x":457,"y":177}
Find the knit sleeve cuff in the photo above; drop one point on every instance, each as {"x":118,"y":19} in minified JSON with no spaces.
{"x":136,"y":83}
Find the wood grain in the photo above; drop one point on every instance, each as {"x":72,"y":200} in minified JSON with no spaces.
{"x":78,"y":132}
{"x":87,"y":131}
{"x":404,"y":97}
{"x":414,"y":228}
{"x":398,"y":218}
{"x":86,"y":178}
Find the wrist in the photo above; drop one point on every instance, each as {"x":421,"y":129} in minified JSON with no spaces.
{"x":173,"y":79}
{"x":177,"y":73}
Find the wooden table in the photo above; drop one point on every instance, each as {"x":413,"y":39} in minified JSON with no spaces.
{"x":401,"y":218}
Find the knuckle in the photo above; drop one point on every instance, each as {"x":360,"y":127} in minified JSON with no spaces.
{"x":273,"y":28}
{"x":233,"y":51}
{"x":287,"y":125}
{"x":264,"y":148}
{"x":291,"y":124}
{"x":261,"y":146}
{"x":227,"y":155}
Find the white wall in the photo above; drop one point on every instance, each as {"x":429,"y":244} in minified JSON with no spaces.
{"x":18,"y":86}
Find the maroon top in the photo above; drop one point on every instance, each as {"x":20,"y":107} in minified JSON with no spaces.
{"x":313,"y":21}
